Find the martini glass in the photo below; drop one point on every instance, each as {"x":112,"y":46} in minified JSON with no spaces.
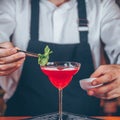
{"x":60,"y":75}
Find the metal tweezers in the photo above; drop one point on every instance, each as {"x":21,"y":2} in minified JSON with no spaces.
{"x":31,"y":54}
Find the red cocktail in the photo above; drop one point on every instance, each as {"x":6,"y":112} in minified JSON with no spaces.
{"x":60,"y":74}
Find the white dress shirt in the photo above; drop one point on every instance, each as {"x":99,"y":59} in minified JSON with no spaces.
{"x":60,"y":25}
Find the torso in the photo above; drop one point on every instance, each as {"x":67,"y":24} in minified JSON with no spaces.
{"x":34,"y":89}
{"x":23,"y":11}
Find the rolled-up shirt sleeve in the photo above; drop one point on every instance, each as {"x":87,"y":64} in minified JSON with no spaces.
{"x":7,"y":19}
{"x":110,"y":30}
{"x":7,"y":27}
{"x":9,"y":83}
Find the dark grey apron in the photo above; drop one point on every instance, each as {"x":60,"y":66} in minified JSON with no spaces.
{"x":35,"y":95}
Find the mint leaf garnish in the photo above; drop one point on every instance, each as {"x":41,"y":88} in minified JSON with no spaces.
{"x":43,"y":58}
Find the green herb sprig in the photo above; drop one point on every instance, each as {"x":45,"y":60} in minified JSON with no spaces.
{"x":43,"y":58}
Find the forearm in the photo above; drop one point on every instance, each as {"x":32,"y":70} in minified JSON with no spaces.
{"x":110,"y":28}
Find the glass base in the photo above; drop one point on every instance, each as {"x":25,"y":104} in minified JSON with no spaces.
{"x":65,"y":116}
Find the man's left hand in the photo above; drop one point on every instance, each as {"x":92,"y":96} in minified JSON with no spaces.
{"x":109,"y":76}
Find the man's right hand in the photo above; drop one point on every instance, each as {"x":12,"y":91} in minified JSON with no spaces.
{"x":10,"y":59}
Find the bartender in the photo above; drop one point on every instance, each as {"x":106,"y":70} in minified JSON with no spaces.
{"x":75,"y":30}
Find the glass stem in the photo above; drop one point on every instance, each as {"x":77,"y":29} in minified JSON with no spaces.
{"x":60,"y":104}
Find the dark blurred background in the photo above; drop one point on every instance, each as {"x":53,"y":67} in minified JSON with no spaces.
{"x":118,"y":2}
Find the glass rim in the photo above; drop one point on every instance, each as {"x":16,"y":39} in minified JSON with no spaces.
{"x":61,"y":62}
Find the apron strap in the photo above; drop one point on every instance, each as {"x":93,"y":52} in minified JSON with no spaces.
{"x":34,"y":30}
{"x":82,"y":13}
{"x":82,"y":22}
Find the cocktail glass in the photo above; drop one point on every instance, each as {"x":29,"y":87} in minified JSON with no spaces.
{"x":60,"y":74}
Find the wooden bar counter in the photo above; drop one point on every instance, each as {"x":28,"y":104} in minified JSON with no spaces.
{"x":101,"y":117}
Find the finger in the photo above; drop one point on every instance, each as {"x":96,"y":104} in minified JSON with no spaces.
{"x":109,"y":97}
{"x":102,"y":90}
{"x":7,"y":52}
{"x":100,"y":71}
{"x":12,"y":58}
{"x":91,"y":93}
{"x":106,"y":78}
{"x":7,"y":44}
{"x":8,"y":72}
{"x":102,"y":96}
{"x":113,"y":94}
{"x":9,"y":66}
